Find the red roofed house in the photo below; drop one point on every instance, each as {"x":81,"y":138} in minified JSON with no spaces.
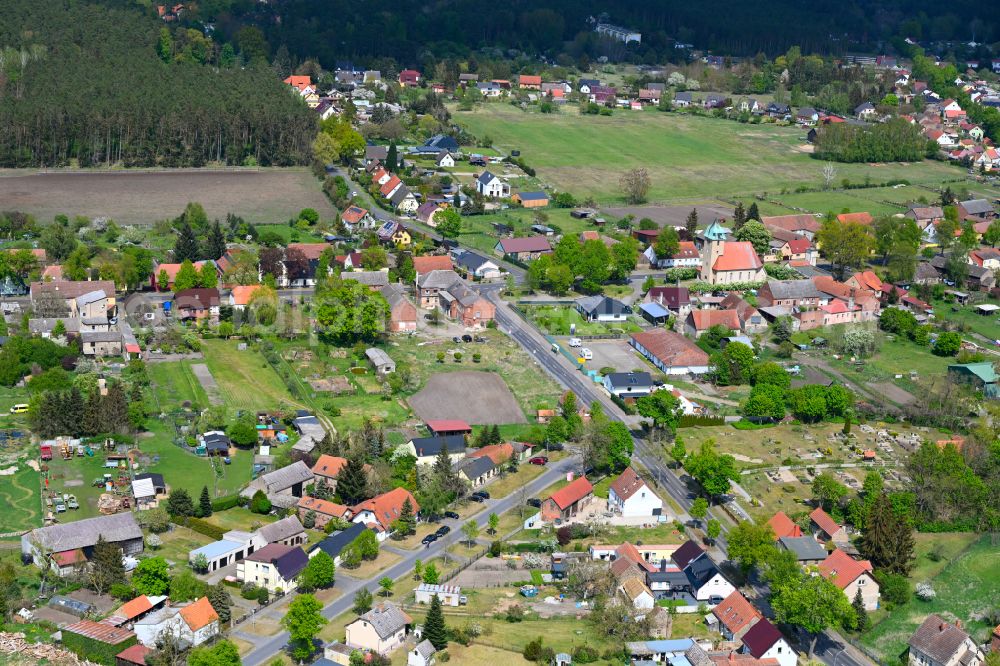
{"x":699,"y":321}
{"x":826,"y":528}
{"x":135,"y":609}
{"x":529,"y":82}
{"x":380,"y":512}
{"x":783,"y":526}
{"x":726,"y":262}
{"x":856,"y":218}
{"x":851,"y":575}
{"x":239,"y":296}
{"x":568,"y":501}
{"x":328,"y":468}
{"x":300,"y":83}
{"x":735,"y":616}
{"x":670,"y":352}
{"x":804,"y":224}
{"x":764,"y":641}
{"x":630,"y":496}
{"x":171,"y":271}
{"x":444,"y":427}
{"x":323,"y":511}
{"x":133,"y":656}
{"x":356,"y":217}
{"x":865,"y":280}
{"x":409,"y":77}
{"x":523,"y":249}
{"x":434,"y":262}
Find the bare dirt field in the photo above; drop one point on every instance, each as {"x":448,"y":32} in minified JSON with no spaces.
{"x":674,"y":215}
{"x":480,"y":398}
{"x":259,"y":196}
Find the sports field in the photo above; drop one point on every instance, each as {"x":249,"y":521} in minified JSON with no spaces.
{"x":265,"y":196}
{"x":687,"y":156}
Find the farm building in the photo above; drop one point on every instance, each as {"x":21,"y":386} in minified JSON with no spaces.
{"x":119,"y":529}
{"x":448,"y":594}
{"x":980,"y":375}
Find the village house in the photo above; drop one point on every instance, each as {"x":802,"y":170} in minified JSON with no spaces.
{"x":402,"y":312}
{"x":783,"y":526}
{"x":190,"y":624}
{"x":165,"y":282}
{"x":78,"y":538}
{"x":356,"y":218}
{"x":335,"y":544}
{"x":240,"y":295}
{"x":976,"y":210}
{"x":491,"y":186}
{"x":675,"y":299}
{"x":750,"y":319}
{"x":802,"y":224}
{"x":382,"y":629}
{"x":764,"y":641}
{"x":630,"y":496}
{"x":530,"y":199}
{"x":427,"y":213}
{"x":523,"y":249}
{"x":670,"y":352}
{"x":274,"y":567}
{"x":851,"y":576}
{"x":529,"y":82}
{"x":687,"y":256}
{"x":699,"y":321}
{"x":445,"y":290}
{"x":287,"y":532}
{"x":568,"y":501}
{"x":284,"y":486}
{"x":230,"y":549}
{"x":427,"y":449}
{"x":825,"y":528}
{"x":476,"y":265}
{"x":381,"y":511}
{"x":431,"y":262}
{"x":394,"y":234}
{"x":807,"y":551}
{"x":628,"y":385}
{"x":409,"y":78}
{"x":57,"y":295}
{"x":404,"y":201}
{"x":735,"y":616}
{"x":602,"y":309}
{"x":940,"y":643}
{"x":323,"y":511}
{"x":422,"y":654}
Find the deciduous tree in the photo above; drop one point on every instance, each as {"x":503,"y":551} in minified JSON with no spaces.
{"x":303,"y":621}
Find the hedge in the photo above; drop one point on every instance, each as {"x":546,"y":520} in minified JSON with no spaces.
{"x":690,"y":420}
{"x":227,"y":502}
{"x":204,"y":527}
{"x":94,"y":650}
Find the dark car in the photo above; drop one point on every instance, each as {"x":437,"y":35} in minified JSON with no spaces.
{"x":477,"y":498}
{"x":482,"y":493}
{"x":539,"y":460}
{"x":535,"y":502}
{"x":466,"y":338}
{"x":429,"y":539}
{"x":441,"y":531}
{"x":451,"y":514}
{"x":479,"y":339}
{"x":456,"y":339}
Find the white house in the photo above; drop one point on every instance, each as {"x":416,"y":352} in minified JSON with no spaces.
{"x":492,"y":187}
{"x":233,"y":547}
{"x":706,"y":580}
{"x":382,"y":629}
{"x":628,"y":384}
{"x":602,"y":309}
{"x":445,"y":159}
{"x":193,"y":623}
{"x":764,"y":641}
{"x":630,"y":496}
{"x":449,"y":595}
{"x":422,"y":654}
{"x":274,"y":567}
{"x":636,"y":592}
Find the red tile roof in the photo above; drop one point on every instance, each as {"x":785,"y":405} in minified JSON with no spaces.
{"x":761,"y":637}
{"x":856,"y":218}
{"x":135,"y":654}
{"x":105,"y":633}
{"x":135,"y":608}
{"x":672,"y":349}
{"x":242,"y":293}
{"x":801,"y":222}
{"x":783,"y":526}
{"x":736,"y":613}
{"x":525,"y":244}
{"x":842,"y":569}
{"x":326,"y":507}
{"x":69,"y":557}
{"x":390,"y":185}
{"x":310,"y":250}
{"x":388,"y":506}
{"x":172,"y":269}
{"x":300,"y":82}
{"x":571,"y":494}
{"x":426,"y":264}
{"x":495,"y":452}
{"x":686,"y":250}
{"x":627,"y":484}
{"x":824,"y":521}
{"x":868,"y":280}
{"x":199,"y":614}
{"x":738,"y":256}
{"x":799,"y":245}
{"x":353,"y":214}
{"x":705,"y":319}
{"x":329,"y":466}
{"x":529,"y":80}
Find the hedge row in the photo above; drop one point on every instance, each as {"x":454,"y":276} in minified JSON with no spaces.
{"x":691,"y":420}
{"x":94,"y":650}
{"x":204,"y":527}
{"x":227,"y":502}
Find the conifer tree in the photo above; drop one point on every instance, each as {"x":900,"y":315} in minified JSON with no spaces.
{"x":186,"y":247}
{"x":106,"y":568}
{"x":392,"y":157}
{"x":114,"y":409}
{"x":860,"y":612}
{"x":888,"y":539}
{"x":752,"y":212}
{"x":495,"y":437}
{"x":352,"y":482}
{"x":739,"y":216}
{"x":215,"y":244}
{"x":92,"y":414}
{"x":434,"y":628}
{"x":204,"y":503}
{"x":692,"y":221}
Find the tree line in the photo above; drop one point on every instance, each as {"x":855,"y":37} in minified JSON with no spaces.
{"x":118,"y":103}
{"x":893,"y":141}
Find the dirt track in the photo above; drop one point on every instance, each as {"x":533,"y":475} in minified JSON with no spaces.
{"x":480,"y":398}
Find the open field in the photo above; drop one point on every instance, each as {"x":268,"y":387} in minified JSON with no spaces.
{"x":178,"y":542}
{"x":687,"y":156}
{"x":448,"y":396}
{"x":174,"y":385}
{"x":182,"y":469}
{"x":244,"y":378}
{"x":675,"y":216}
{"x":967,"y":587}
{"x":19,"y":494}
{"x":259,"y":196}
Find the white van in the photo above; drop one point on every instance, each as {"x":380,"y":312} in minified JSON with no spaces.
{"x":575,"y":342}
{"x":586,"y":354}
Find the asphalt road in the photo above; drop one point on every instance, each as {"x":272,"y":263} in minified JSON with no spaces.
{"x":265,"y":648}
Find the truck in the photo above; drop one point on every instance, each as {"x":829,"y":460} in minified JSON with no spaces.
{"x":46,"y":452}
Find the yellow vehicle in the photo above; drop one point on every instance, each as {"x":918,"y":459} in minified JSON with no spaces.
{"x":19,"y":409}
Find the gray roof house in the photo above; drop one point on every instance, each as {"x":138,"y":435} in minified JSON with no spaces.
{"x":382,"y":362}
{"x":602,"y":308}
{"x":120,"y":529}
{"x":476,"y":470}
{"x":288,"y":531}
{"x":940,"y":643}
{"x":422,"y":654}
{"x":374,"y":279}
{"x":806,"y":549}
{"x":282,"y":486}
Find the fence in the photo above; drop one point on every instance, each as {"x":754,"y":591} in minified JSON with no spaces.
{"x":462,"y":567}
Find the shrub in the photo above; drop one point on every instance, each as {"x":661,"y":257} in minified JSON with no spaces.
{"x":495,"y":549}
{"x":564,"y":535}
{"x":515,"y":613}
{"x":584,"y":654}
{"x":533,"y":650}
{"x":895,"y":588}
{"x":227,"y":502}
{"x":925,"y":592}
{"x":248,"y":591}
{"x":204,"y":527}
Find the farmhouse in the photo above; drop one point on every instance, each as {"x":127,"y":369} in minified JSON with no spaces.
{"x":287,"y":531}
{"x":381,"y":630}
{"x":491,"y":186}
{"x":191,"y":624}
{"x":402,"y":312}
{"x":427,"y":449}
{"x":274,"y":567}
{"x":323,"y":511}
{"x":568,"y":501}
{"x":282,"y":486}
{"x":631,"y":496}
{"x":699,"y":321}
{"x":602,"y":309}
{"x":523,"y":249}
{"x":851,"y":575}
{"x":671,"y":352}
{"x":119,"y":529}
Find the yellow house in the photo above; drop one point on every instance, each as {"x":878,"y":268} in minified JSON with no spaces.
{"x":382,"y":629}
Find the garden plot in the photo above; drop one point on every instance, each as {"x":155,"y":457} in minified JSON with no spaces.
{"x":480,"y":398}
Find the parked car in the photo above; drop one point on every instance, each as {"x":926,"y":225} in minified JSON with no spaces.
{"x":429,"y":539}
{"x":482,"y":493}
{"x":456,"y":339}
{"x":451,"y":514}
{"x":466,"y":338}
{"x":441,"y":531}
{"x":477,"y":498}
{"x":575,"y":342}
{"x":479,"y":339}
{"x":535,"y":502}
{"x":586,"y":354}
{"x":539,"y":460}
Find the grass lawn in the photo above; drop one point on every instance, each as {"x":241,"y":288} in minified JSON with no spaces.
{"x":285,"y":232}
{"x":178,"y":542}
{"x":601,"y":487}
{"x":19,"y":493}
{"x":473,"y":655}
{"x":525,"y":474}
{"x":556,"y":320}
{"x":182,"y":469}
{"x":896,"y":357}
{"x":686,"y":156}
{"x":838,"y":201}
{"x":985,"y":325}
{"x":174,"y":385}
{"x":245,"y":380}
{"x":239,"y":518}
{"x":965,"y":588}
{"x":370,"y":568}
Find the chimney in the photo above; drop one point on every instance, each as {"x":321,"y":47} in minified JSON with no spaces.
{"x":663,"y":565}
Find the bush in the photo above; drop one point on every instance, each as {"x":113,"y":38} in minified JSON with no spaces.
{"x":564,"y":535}
{"x":495,"y":549}
{"x":260,"y":504}
{"x":895,"y":588}
{"x":227,"y":502}
{"x":515,"y":613}
{"x":584,"y":654}
{"x":248,"y":591}
{"x":122,"y":592}
{"x":533,"y":650}
{"x":204,"y":527}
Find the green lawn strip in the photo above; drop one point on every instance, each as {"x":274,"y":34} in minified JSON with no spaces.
{"x":174,"y":384}
{"x":838,"y":202}
{"x":965,"y":587}
{"x":19,"y":493}
{"x":245,"y":380}
{"x":557,"y":320}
